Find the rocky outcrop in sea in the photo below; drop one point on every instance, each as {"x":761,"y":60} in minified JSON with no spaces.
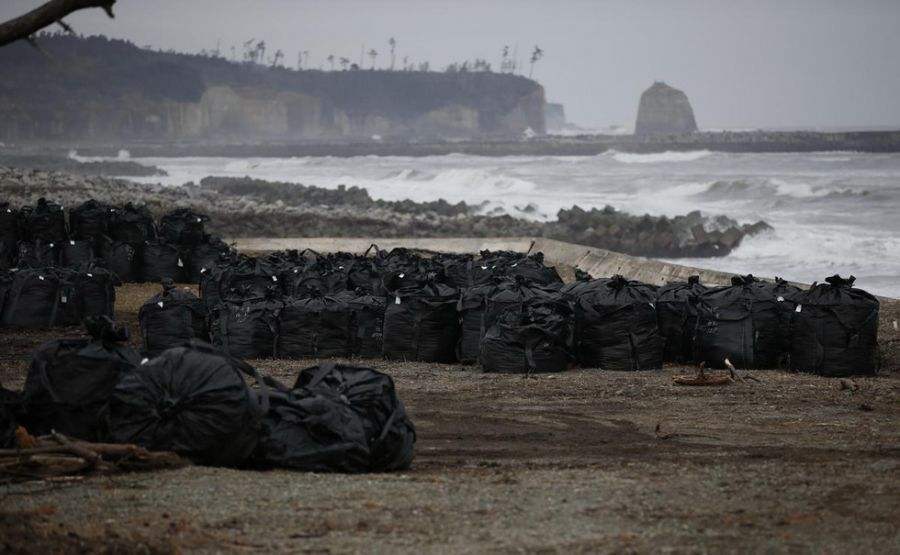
{"x":245,"y":207}
{"x":664,"y":110}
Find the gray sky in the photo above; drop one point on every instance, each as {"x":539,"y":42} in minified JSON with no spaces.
{"x":753,"y":63}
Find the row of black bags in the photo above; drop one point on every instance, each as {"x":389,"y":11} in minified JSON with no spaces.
{"x":53,"y":297}
{"x":195,"y":400}
{"x":124,"y":239}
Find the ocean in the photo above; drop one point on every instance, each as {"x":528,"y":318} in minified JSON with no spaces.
{"x":835,"y":212}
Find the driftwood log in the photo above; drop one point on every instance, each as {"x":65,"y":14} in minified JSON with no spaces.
{"x":57,"y":455}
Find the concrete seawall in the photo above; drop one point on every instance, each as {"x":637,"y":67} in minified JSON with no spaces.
{"x":597,"y":262}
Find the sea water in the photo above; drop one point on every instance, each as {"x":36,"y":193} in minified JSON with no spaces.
{"x":836,"y":212}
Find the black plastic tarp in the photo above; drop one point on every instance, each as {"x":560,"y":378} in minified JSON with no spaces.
{"x":171,"y":318}
{"x":161,"y":260}
{"x":533,"y":337}
{"x":192,"y":400}
{"x":319,"y":326}
{"x":390,"y":433}
{"x":676,"y":307}
{"x":246,"y":330}
{"x":742,"y":322}
{"x":616,"y":327}
{"x":420,"y":320}
{"x":71,"y":380}
{"x":835,"y":330}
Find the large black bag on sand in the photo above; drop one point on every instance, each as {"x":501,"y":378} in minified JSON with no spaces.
{"x":192,"y":400}
{"x":161,"y":260}
{"x":183,"y":226}
{"x":472,"y":310}
{"x":390,"y":434}
{"x":89,"y":221}
{"x":122,"y":259}
{"x":317,"y":326}
{"x":94,"y":292}
{"x":512,"y":293}
{"x":616,"y":327}
{"x":302,"y":283}
{"x":532,"y":338}
{"x":131,"y":224}
{"x":9,"y":224}
{"x":835,"y":330}
{"x":45,"y":221}
{"x":209,"y":253}
{"x":311,"y":431}
{"x":532,"y":268}
{"x":743,"y":322}
{"x":245,"y":279}
{"x":37,"y":254}
{"x":676,"y":308}
{"x":420,"y":321}
{"x":71,"y":380}
{"x":76,"y":252}
{"x":367,"y":323}
{"x":171,"y":318}
{"x":37,"y":298}
{"x":10,"y":412}
{"x":246,"y":330}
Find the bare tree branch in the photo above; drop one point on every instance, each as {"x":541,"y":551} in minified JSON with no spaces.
{"x":45,"y":15}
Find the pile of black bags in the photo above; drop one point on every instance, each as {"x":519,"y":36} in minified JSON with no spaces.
{"x":124,"y":239}
{"x":52,"y":297}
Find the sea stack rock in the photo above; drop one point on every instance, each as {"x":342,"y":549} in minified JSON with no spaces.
{"x":664,"y":110}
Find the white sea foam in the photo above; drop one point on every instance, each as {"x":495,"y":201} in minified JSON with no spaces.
{"x":659,"y":157}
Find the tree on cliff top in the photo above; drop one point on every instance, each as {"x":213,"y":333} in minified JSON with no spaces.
{"x":45,"y":15}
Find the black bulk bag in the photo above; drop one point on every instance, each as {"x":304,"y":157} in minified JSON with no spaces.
{"x":743,"y":322}
{"x":95,"y":291}
{"x":472,"y":310}
{"x":10,"y":412}
{"x":36,"y":299}
{"x":76,"y":252}
{"x":192,"y":400}
{"x":182,"y":226}
{"x":37,"y":254}
{"x":246,"y":330}
{"x":616,"y":327}
{"x":511,"y":293}
{"x":9,"y":255}
{"x":171,"y":318}
{"x":161,"y":260}
{"x":206,"y":255}
{"x":312,"y":432}
{"x":71,"y":380}
{"x":583,"y":283}
{"x":131,"y":224}
{"x":457,"y":269}
{"x":45,"y":222}
{"x":365,"y":276}
{"x":787,"y":296}
{"x":240,"y":281}
{"x":371,"y":394}
{"x":366,"y":339}
{"x":304,"y":282}
{"x":676,"y":309}
{"x":317,"y":326}
{"x":532,"y":338}
{"x":420,"y":321}
{"x":122,"y":259}
{"x":89,"y":221}
{"x":9,"y":224}
{"x":532,"y":268}
{"x":835,"y":330}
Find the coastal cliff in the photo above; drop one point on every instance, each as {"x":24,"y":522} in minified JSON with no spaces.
{"x":99,"y":90}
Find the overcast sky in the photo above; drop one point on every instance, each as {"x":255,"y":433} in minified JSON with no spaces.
{"x":753,"y":63}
